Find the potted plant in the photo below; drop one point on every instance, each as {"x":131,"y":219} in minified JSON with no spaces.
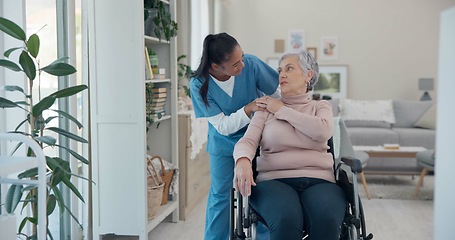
{"x":39,"y":128}
{"x":158,"y":20}
{"x":154,"y":62}
{"x":184,"y":73}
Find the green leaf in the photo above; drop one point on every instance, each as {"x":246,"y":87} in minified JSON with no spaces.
{"x":75,"y":154}
{"x":9,"y":51}
{"x":32,"y":172}
{"x":33,"y":44}
{"x":22,"y":225}
{"x":10,"y":65}
{"x":67,"y":134}
{"x":70,"y":185}
{"x":51,"y":202}
{"x":181,"y":57}
{"x":59,"y":69}
{"x":51,"y":163}
{"x":5,"y":103}
{"x":73,"y":119}
{"x":13,"y":197}
{"x":54,"y":163}
{"x":59,"y":198}
{"x":12,"y":88}
{"x":28,"y":65}
{"x":12,"y":29}
{"x":69,"y":91}
{"x":22,"y":123}
{"x":59,"y":60}
{"x":44,"y":104}
{"x":47,"y":140}
{"x":33,"y":220}
{"x":58,"y":175}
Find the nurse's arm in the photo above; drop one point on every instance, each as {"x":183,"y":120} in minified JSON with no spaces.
{"x":226,"y":125}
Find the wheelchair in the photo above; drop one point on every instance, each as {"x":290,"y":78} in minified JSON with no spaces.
{"x":244,"y":220}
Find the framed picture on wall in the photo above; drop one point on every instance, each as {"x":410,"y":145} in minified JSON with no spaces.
{"x":296,"y":40}
{"x":329,"y":48}
{"x":313,"y":51}
{"x":333,"y":80}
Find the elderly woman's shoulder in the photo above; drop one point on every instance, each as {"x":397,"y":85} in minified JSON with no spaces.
{"x":324,"y":103}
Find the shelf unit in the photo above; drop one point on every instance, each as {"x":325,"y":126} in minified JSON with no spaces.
{"x":162,"y":135}
{"x":118,"y":136}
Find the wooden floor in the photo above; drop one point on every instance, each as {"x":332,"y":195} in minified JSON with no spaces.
{"x":386,"y":219}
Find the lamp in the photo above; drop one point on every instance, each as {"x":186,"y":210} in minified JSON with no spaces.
{"x":425,"y":85}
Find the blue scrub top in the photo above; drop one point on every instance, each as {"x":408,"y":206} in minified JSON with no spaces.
{"x":255,"y":79}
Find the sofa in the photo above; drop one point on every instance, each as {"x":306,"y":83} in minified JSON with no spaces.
{"x":379,"y":122}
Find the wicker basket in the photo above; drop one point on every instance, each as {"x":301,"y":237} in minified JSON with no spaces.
{"x":155,"y":188}
{"x":166,"y":176}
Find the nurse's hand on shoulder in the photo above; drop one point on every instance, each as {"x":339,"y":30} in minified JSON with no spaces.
{"x":271,"y":104}
{"x":253,"y":107}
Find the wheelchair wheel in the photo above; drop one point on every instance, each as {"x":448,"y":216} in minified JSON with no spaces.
{"x":353,"y":232}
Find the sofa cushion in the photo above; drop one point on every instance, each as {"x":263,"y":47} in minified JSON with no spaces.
{"x":408,"y":112}
{"x":367,"y":113}
{"x":372,"y":124}
{"x":428,"y":119}
{"x":416,"y":137}
{"x":372,"y":136}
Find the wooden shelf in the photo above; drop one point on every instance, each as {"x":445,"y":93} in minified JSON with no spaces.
{"x":167,"y":80}
{"x":161,"y":214}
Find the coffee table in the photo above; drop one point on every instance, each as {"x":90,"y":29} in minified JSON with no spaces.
{"x":380,"y":151}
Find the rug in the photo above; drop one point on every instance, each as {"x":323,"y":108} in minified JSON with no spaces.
{"x":397,"y":187}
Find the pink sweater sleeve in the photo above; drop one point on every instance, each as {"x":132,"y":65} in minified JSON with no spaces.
{"x":247,"y":145}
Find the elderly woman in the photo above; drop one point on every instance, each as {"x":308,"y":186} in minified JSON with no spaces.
{"x":295,"y":189}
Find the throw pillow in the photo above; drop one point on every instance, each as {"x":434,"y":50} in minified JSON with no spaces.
{"x":428,"y":119}
{"x":367,"y":110}
{"x":408,"y":112}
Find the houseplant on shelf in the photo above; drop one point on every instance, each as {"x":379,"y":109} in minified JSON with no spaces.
{"x":158,"y":20}
{"x":184,"y":73}
{"x":38,"y":127}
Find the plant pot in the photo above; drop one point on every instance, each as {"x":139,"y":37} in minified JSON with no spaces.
{"x":148,"y":23}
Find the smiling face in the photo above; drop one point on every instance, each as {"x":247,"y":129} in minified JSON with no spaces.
{"x":293,"y":80}
{"x":233,"y":66}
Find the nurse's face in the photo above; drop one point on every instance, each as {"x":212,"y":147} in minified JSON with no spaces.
{"x":234,"y":65}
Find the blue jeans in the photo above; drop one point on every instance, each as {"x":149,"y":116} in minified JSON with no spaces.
{"x":292,"y":206}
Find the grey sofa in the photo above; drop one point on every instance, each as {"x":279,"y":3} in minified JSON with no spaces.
{"x":403,"y":132}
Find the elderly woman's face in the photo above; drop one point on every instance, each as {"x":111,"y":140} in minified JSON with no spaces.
{"x":293,"y":80}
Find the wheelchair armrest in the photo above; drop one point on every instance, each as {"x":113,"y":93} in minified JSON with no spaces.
{"x":353,"y":163}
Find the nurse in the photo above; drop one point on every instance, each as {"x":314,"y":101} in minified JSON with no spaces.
{"x":223,"y":90}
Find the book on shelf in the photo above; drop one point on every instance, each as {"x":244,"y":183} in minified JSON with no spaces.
{"x":159,"y":90}
{"x":148,"y":68}
{"x":159,"y":95}
{"x":156,"y":109}
{"x":158,"y":100}
{"x":157,"y":104}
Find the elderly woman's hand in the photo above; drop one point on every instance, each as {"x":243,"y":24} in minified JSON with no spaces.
{"x":243,"y":176}
{"x":269,"y":103}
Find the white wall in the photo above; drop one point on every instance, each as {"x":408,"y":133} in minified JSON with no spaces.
{"x":386,"y":44}
{"x":445,"y":164}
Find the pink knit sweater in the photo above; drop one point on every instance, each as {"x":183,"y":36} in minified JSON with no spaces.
{"x":293,"y":140}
